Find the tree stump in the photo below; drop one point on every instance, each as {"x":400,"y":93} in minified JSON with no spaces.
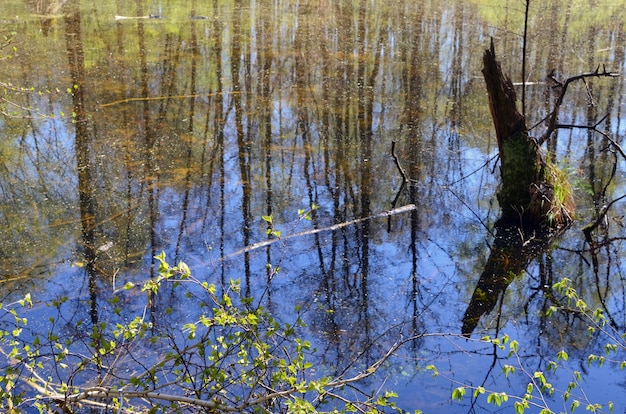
{"x":533,"y":192}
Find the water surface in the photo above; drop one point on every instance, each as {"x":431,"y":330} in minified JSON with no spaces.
{"x":125,"y":137}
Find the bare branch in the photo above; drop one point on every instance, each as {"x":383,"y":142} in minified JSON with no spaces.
{"x":395,"y":158}
{"x":386,"y":213}
{"x":595,"y":129}
{"x":552,"y":118}
{"x":87,"y":395}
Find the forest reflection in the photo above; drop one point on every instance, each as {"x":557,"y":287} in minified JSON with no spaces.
{"x":178,"y":134}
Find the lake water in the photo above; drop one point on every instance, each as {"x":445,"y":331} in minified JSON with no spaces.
{"x":122,"y":137}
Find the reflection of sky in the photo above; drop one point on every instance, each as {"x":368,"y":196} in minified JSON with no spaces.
{"x":48,"y":153}
{"x":450,"y":253}
{"x":345,"y":304}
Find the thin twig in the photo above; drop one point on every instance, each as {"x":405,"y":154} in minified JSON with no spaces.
{"x":595,"y":129}
{"x":552,"y":118}
{"x":395,"y":158}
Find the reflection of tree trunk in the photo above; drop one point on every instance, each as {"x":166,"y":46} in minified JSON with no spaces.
{"x":243,"y":142}
{"x":366,"y":87}
{"x":602,"y":169}
{"x":333,"y":165}
{"x":364,"y":125}
{"x":265,"y":113}
{"x":193,"y":45}
{"x":554,"y":56}
{"x":86,"y":190}
{"x":510,"y":255}
{"x":219,"y":122}
{"x":150,"y":181}
{"x":303,"y":129}
{"x":412,"y":119}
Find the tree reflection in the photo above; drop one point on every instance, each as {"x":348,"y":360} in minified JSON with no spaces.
{"x":511,"y":253}
{"x":84,"y":151}
{"x":189,"y":131}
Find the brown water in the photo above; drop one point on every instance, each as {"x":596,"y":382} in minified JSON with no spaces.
{"x":124,"y":137}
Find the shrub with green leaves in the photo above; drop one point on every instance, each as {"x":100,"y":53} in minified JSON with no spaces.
{"x":540,"y":392}
{"x":231,"y":357}
{"x":227,"y":353}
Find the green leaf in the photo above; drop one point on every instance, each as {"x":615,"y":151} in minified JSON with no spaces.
{"x":552,"y":366}
{"x":458,"y":393}
{"x":494,"y":398}
{"x":27,"y":301}
{"x":594,"y":408}
{"x":184,"y":269}
{"x":591,"y":359}
{"x":610,"y":348}
{"x":598,"y":315}
{"x":433,"y":369}
{"x":508,"y":369}
{"x":521,"y":406}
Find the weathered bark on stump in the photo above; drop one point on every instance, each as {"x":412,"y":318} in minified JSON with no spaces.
{"x":528,"y":191}
{"x":502,"y":99}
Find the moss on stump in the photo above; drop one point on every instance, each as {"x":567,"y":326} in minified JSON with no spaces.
{"x":533,"y":191}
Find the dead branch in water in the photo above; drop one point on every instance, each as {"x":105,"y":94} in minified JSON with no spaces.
{"x":386,"y":213}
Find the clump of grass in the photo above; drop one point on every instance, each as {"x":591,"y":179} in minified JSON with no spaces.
{"x":563,"y":205}
{"x":552,"y":200}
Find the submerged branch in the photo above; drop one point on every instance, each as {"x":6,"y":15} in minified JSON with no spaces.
{"x":386,"y":213}
{"x":163,"y":97}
